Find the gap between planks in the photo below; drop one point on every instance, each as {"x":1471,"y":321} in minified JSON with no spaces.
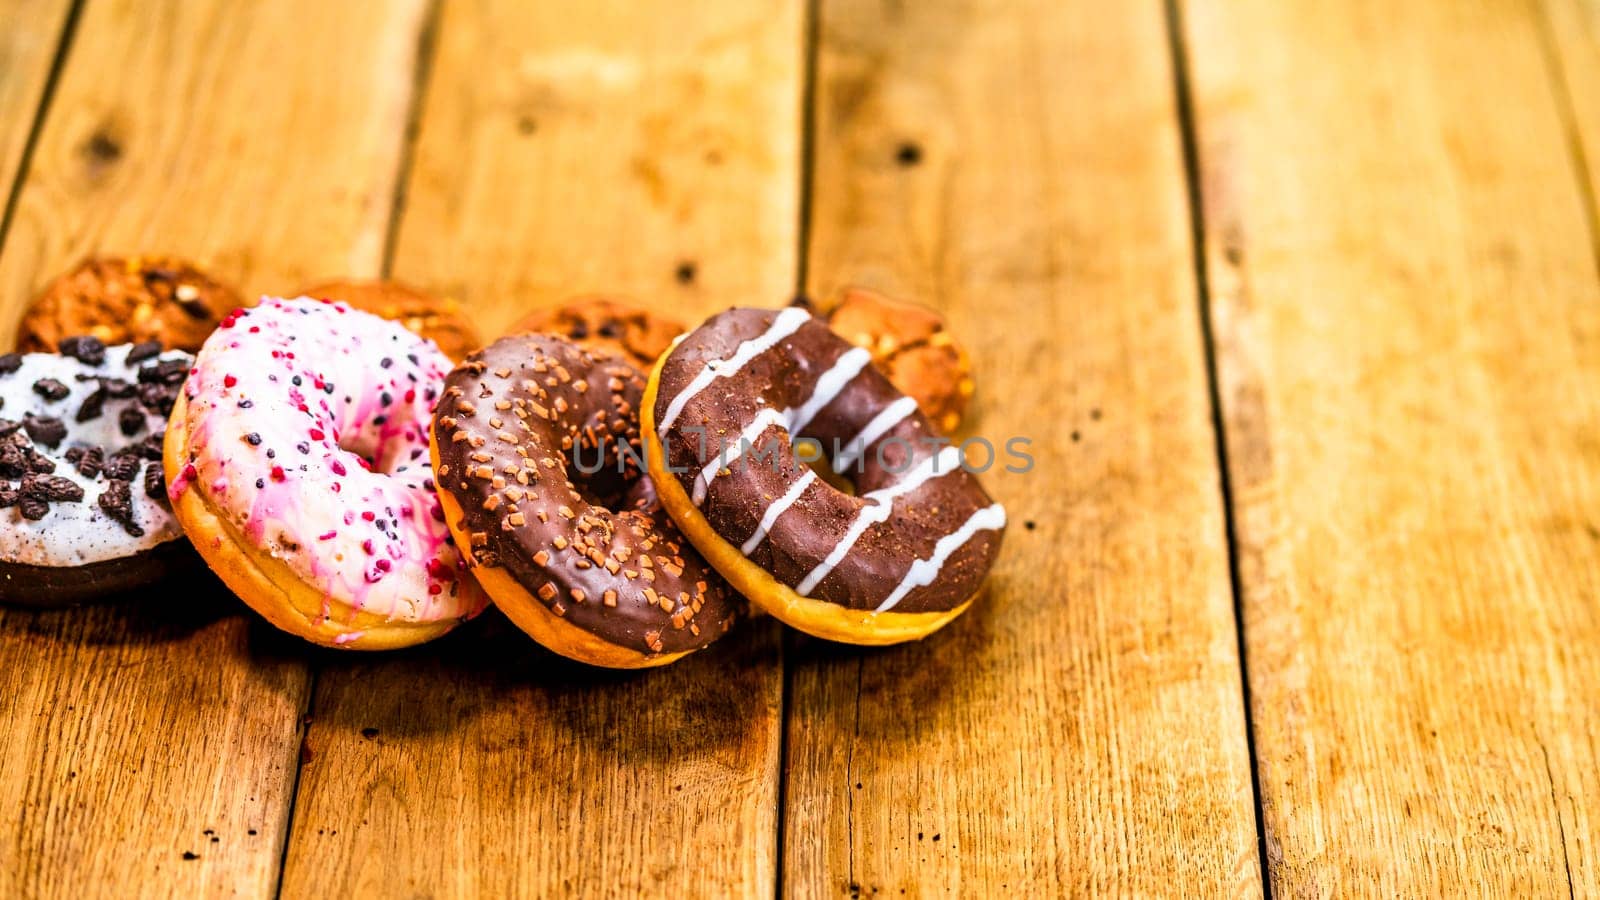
{"x":69,"y":27}
{"x":806,"y":176}
{"x":1183,"y":94}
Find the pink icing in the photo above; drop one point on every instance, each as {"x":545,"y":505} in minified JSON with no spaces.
{"x":308,"y":429}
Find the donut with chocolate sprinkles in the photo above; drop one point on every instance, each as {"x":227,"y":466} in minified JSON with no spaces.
{"x":536,"y":448}
{"x":897,"y":559}
{"x":74,"y":436}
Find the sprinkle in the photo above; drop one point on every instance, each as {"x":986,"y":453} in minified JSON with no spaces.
{"x":277,"y":473}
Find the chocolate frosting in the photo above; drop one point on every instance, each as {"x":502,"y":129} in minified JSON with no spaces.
{"x":920,"y":533}
{"x":515,"y":422}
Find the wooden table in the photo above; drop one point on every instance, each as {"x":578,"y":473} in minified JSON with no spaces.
{"x":1298,"y":303}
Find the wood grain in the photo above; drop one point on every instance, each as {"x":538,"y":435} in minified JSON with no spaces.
{"x":609,"y":147}
{"x":1082,"y":729}
{"x":1407,"y":313}
{"x":1572,"y":34}
{"x":150,"y":745}
{"x":29,"y":42}
{"x":190,"y":128}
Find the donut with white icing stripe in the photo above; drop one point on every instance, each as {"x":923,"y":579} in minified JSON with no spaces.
{"x":536,"y":444}
{"x":297,"y":460}
{"x":894,"y":561}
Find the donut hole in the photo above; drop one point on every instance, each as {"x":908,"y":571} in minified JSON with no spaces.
{"x":364,"y":452}
{"x":387,"y":446}
{"x":810,"y":452}
{"x":610,"y":478}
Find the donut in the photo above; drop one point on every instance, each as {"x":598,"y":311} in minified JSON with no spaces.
{"x":131,"y":299}
{"x":297,"y":462}
{"x":438,"y":319}
{"x":895,"y":561}
{"x":601,"y":323}
{"x":536,"y":442}
{"x":911,"y":345}
{"x":82,"y":514}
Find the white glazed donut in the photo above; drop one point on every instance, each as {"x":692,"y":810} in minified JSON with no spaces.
{"x":298,"y":463}
{"x":83,"y":511}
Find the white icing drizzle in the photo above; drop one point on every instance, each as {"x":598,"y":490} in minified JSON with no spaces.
{"x":829,"y":385}
{"x":727,"y":456}
{"x":794,"y":420}
{"x":777,"y":509}
{"x":887,"y":418}
{"x":924,"y":571}
{"x":787,"y":322}
{"x":879,"y":505}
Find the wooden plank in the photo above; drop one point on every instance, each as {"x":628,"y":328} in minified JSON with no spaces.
{"x":29,"y":42}
{"x":167,"y":134}
{"x":607,"y":147}
{"x":1082,"y":729}
{"x":1407,"y":309}
{"x":1573,"y":38}
{"x":168,"y":725}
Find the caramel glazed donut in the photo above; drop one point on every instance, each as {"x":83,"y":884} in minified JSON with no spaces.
{"x":892,"y":564}
{"x":594,"y":570}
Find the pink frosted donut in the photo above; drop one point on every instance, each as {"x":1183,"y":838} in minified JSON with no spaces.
{"x":297,"y":463}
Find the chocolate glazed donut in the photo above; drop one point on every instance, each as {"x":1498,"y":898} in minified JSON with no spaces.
{"x":600,"y":574}
{"x":894,"y":562}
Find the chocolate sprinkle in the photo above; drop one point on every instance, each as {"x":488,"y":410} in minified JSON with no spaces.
{"x":93,"y":405}
{"x":117,"y":502}
{"x":51,"y":389}
{"x":123,"y":464}
{"x":46,"y":430}
{"x":155,"y":483}
{"x":168,"y":371}
{"x":142,"y":351}
{"x":10,"y":363}
{"x":87,"y":349}
{"x":130,"y":420}
{"x":51,"y":488}
{"x":118,"y":388}
{"x":90,"y":461}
